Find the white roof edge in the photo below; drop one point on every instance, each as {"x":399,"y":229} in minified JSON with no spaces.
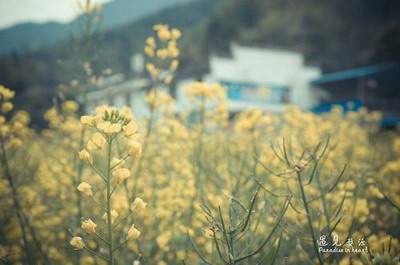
{"x":235,"y":47}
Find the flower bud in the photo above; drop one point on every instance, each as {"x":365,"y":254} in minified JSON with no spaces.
{"x":133,"y":233}
{"x":121,"y":174}
{"x":77,"y":242}
{"x":87,"y":120}
{"x":89,"y":226}
{"x":85,"y":156}
{"x":85,"y":188}
{"x":138,"y":205}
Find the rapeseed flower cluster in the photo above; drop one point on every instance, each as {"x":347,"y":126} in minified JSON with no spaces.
{"x":162,"y":53}
{"x":112,"y":127}
{"x":199,"y":187}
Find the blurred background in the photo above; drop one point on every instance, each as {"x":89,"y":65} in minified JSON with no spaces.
{"x":268,"y":53}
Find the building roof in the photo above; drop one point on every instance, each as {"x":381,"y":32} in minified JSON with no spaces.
{"x":355,"y":73}
{"x":263,"y":66}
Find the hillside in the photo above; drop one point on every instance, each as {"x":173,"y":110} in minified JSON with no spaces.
{"x":30,"y":36}
{"x":333,"y":34}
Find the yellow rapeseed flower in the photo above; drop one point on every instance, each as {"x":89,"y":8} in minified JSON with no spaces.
{"x":151,"y":43}
{"x":114,"y":216}
{"x":152,"y":69}
{"x":109,"y":128}
{"x":172,"y":50}
{"x":88,"y":260}
{"x":96,"y":142}
{"x":70,"y":105}
{"x":77,"y":242}
{"x":130,"y":129}
{"x":89,"y":226}
{"x":85,"y":156}
{"x":133,"y":233}
{"x":162,"y":53}
{"x":176,"y":34}
{"x":174,"y":65}
{"x":5,"y":93}
{"x":7,"y":106}
{"x":138,"y":205}
{"x":87,"y":120}
{"x":164,"y":34}
{"x":85,"y":188}
{"x":149,"y":51}
{"x":121,"y":174}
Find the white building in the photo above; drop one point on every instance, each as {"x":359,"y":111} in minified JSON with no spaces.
{"x":119,"y":91}
{"x":269,"y":79}
{"x":130,"y":93}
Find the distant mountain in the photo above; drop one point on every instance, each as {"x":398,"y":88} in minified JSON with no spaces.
{"x":120,"y":12}
{"x":30,"y":36}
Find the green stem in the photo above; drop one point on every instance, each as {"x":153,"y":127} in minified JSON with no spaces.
{"x":325,"y":211}
{"x":109,"y":219}
{"x":308,"y":213}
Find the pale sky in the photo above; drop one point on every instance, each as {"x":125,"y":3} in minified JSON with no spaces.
{"x":17,"y":11}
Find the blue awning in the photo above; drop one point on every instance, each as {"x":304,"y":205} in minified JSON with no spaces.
{"x":346,"y":105}
{"x":355,"y":73}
